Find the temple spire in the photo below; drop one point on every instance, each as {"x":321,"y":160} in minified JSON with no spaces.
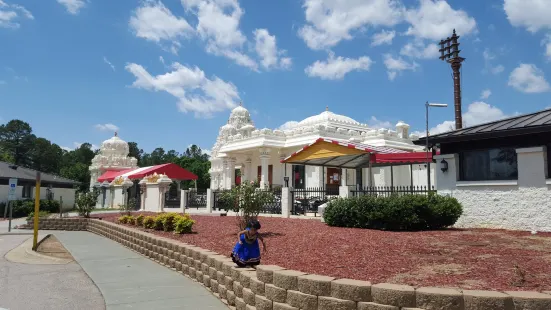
{"x":240,"y":103}
{"x":326,"y":108}
{"x":116,"y":133}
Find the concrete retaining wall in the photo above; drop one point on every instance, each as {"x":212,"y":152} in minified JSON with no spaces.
{"x":274,"y":288}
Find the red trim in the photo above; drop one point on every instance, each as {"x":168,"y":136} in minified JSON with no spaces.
{"x":172,"y":171}
{"x":413,"y":158}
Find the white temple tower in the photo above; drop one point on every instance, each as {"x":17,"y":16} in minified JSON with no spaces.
{"x":113,"y":156}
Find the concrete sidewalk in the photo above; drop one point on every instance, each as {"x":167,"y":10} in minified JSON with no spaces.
{"x":30,"y":286}
{"x":128,"y":280}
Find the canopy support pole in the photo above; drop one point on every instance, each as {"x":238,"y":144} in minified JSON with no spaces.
{"x":195,"y":184}
{"x":411,"y":176}
{"x":370,"y":172}
{"x":392,"y":177}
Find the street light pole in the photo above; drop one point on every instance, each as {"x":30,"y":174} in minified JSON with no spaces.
{"x":427,"y":105}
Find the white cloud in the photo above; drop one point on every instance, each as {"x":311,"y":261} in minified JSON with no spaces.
{"x":383,"y":37}
{"x":288,"y":125}
{"x":395,"y":65}
{"x":72,"y":6}
{"x":546,"y":42}
{"x":162,"y":60}
{"x":108,"y":63}
{"x":417,"y":49}
{"x":76,"y":145}
{"x":155,"y":22}
{"x":218,"y":26}
{"x":436,"y":19}
{"x":486,"y":94}
{"x":497,"y":69}
{"x":377,"y":123}
{"x":489,"y":57}
{"x":335,"y":68}
{"x":10,"y":14}
{"x":195,"y":92}
{"x":270,"y":55}
{"x":329,"y":21}
{"x":478,"y":112}
{"x":106,"y":127}
{"x":528,"y":78}
{"x":531,"y":14}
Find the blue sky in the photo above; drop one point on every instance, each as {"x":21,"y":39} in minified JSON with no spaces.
{"x":167,"y":73}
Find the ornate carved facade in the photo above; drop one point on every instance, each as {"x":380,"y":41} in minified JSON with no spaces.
{"x":113,"y":155}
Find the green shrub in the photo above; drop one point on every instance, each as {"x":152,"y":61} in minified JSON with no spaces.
{"x":41,"y":215}
{"x":86,"y":202}
{"x":149,"y":222}
{"x":183,"y":224}
{"x":22,"y":208}
{"x":139,"y":220}
{"x":126,"y":219}
{"x":407,"y":212}
{"x":158,"y":221}
{"x":168,"y":220}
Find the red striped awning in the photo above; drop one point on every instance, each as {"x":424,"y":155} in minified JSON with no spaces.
{"x":172,"y":171}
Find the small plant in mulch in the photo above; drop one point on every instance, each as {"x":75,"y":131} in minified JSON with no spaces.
{"x":139,"y":220}
{"x":86,"y":202}
{"x":247,"y":201}
{"x":149,"y":222}
{"x":183,"y":224}
{"x":126,"y":219}
{"x":519,"y":277}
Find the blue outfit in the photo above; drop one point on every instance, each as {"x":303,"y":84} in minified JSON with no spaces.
{"x":247,"y":252}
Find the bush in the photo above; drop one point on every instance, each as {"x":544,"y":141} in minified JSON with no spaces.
{"x":247,"y":201}
{"x":407,"y":212}
{"x":183,"y":224}
{"x":126,"y":219}
{"x":86,"y":202}
{"x":158,"y":221}
{"x":22,"y":208}
{"x":139,"y":220}
{"x":168,"y":221}
{"x":41,"y":215}
{"x":149,"y":222}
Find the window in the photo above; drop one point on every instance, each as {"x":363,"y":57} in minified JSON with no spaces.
{"x":27,"y":190}
{"x":298,"y":177}
{"x":492,"y":164}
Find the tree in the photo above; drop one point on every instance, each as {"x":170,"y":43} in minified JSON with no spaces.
{"x":135,"y":151}
{"x":16,"y":141}
{"x":45,"y":156}
{"x":247,"y":202}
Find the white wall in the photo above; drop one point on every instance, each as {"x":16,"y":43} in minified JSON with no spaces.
{"x":523,"y":204}
{"x":68,"y":195}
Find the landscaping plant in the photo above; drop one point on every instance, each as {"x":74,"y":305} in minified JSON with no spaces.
{"x":247,"y":201}
{"x":183,"y":224}
{"x":126,"y":209}
{"x":139,"y":220}
{"x":405,"y":212}
{"x":149,"y":222}
{"x":41,"y":214}
{"x":85,"y":203}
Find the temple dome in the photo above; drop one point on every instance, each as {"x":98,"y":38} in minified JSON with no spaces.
{"x":240,"y":116}
{"x":325,"y":117}
{"x":114,"y":146}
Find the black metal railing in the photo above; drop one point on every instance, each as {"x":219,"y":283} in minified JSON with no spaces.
{"x":219,"y":203}
{"x":172,"y":200}
{"x":273,"y":207}
{"x":196,"y":198}
{"x":386,"y":191}
{"x":307,"y":200}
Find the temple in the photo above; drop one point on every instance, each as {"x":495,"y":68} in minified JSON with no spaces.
{"x":244,"y":152}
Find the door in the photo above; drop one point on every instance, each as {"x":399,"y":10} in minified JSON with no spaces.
{"x":270,"y":174}
{"x":333,"y":180}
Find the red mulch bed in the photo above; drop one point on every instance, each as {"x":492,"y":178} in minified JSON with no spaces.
{"x":467,"y":259}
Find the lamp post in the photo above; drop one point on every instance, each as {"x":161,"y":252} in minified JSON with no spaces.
{"x":104,"y":187}
{"x":449,"y":52}
{"x":427,"y":105}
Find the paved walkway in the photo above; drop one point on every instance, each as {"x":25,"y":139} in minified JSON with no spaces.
{"x":128,"y":280}
{"x":39,"y":286}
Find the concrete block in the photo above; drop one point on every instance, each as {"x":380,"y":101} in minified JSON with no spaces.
{"x":530,"y":300}
{"x":263,"y":303}
{"x":487,"y":300}
{"x":256,"y":286}
{"x":275,"y":293}
{"x":249,"y":307}
{"x":240,"y":304}
{"x":213,"y":285}
{"x":222,"y":291}
{"x":301,"y":300}
{"x":435,"y":298}
{"x":227,"y":267}
{"x":192,"y":273}
{"x":206,"y":280}
{"x":264,"y":273}
{"x":238,"y":289}
{"x":393,"y":294}
{"x":199,"y":276}
{"x":230,"y":297}
{"x":330,"y":303}
{"x":375,"y":306}
{"x":213,"y":273}
{"x":245,"y":277}
{"x":315,"y":285}
{"x":205,"y":269}
{"x":228,"y":281}
{"x":248,"y":296}
{"x":287,"y":279}
{"x":281,"y":306}
{"x":220,"y":277}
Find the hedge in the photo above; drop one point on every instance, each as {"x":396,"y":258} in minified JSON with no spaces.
{"x":179,"y":224}
{"x":407,"y":212}
{"x":22,"y":208}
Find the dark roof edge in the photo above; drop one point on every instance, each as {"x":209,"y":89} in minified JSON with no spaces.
{"x":69,"y":181}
